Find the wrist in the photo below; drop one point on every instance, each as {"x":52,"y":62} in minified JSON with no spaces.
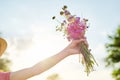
{"x":65,"y":53}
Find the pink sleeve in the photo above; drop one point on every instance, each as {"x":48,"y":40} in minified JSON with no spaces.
{"x":4,"y":75}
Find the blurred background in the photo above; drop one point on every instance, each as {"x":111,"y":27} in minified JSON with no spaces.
{"x":28,"y":28}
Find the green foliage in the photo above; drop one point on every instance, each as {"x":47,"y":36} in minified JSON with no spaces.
{"x":113,"y":48}
{"x":4,"y":64}
{"x":116,"y":74}
{"x":54,"y":76}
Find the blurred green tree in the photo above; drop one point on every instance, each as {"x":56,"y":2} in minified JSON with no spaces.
{"x":54,"y":76}
{"x":113,"y":58}
{"x":4,"y":64}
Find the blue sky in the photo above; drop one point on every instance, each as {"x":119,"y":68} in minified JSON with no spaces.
{"x":29,"y":22}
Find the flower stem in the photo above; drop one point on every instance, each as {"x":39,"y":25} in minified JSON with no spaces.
{"x":88,"y":59}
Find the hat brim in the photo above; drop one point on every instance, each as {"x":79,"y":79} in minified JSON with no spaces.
{"x":3,"y":46}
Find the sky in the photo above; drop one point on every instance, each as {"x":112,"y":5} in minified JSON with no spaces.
{"x":30,"y":32}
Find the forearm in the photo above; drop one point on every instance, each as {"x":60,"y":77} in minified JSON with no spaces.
{"x":48,"y":63}
{"x":38,"y":68}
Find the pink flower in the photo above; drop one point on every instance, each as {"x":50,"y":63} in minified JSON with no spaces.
{"x":76,"y":29}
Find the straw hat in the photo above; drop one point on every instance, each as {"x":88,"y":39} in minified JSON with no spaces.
{"x":3,"y":46}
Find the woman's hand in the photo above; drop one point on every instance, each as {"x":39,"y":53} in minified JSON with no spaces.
{"x":74,"y":46}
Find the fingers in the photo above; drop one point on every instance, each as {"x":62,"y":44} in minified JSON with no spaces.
{"x":86,"y":43}
{"x":81,"y":41}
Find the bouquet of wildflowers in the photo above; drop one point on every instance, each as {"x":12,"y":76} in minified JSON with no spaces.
{"x":74,"y":28}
